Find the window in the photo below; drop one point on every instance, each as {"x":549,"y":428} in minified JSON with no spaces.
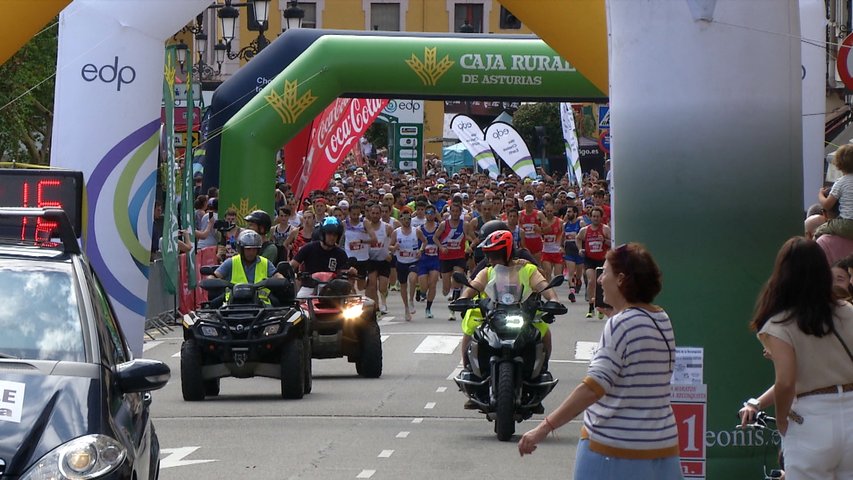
{"x":310,"y":18}
{"x":508,"y":20}
{"x":105,"y":312}
{"x":385,"y":16}
{"x":472,"y":12}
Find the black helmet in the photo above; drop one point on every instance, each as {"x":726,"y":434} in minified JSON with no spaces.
{"x":332,"y":225}
{"x":491,"y":227}
{"x":260,"y":218}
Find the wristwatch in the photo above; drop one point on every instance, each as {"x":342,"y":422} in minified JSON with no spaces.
{"x":752,"y":402}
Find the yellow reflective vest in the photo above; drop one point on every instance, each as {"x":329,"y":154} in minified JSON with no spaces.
{"x":238,"y":276}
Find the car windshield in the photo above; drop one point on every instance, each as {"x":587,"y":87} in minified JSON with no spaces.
{"x":505,"y":285}
{"x":40,"y":318}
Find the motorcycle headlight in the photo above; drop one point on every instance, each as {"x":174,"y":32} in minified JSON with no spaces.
{"x":353,"y":309}
{"x":271,"y":329}
{"x":83,"y":458}
{"x":208,"y":331}
{"x":514,"y":321}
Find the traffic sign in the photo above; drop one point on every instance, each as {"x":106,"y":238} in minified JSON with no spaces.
{"x":604,"y":141}
{"x":844,"y":62}
{"x":604,"y":117}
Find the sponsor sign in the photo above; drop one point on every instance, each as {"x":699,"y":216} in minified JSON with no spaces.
{"x":508,"y":144}
{"x":472,"y":137}
{"x":689,"y":404}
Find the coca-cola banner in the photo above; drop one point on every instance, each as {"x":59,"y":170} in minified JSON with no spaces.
{"x":334,"y":133}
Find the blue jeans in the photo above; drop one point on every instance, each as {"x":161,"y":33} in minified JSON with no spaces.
{"x":594,"y":466}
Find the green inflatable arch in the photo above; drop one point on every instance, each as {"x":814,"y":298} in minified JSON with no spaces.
{"x":357,"y":66}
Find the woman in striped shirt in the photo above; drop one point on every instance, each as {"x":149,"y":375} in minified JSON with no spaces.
{"x":629,"y":429}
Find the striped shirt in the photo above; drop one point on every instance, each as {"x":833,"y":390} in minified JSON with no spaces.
{"x":631,"y":373}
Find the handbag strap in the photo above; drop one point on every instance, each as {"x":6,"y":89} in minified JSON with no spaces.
{"x":843,"y":344}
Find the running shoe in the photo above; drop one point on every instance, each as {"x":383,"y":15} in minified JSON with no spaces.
{"x":601,"y":315}
{"x":572,"y":296}
{"x":408,"y":317}
{"x":588,"y":314}
{"x":428,"y":314}
{"x":412,"y":309}
{"x":452,"y":317}
{"x":383,"y":309}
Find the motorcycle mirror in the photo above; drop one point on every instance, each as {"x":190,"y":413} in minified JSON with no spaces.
{"x":461,"y":279}
{"x":213,"y":283}
{"x":285,"y":268}
{"x":208,"y":269}
{"x":556,"y":281}
{"x":554,"y":308}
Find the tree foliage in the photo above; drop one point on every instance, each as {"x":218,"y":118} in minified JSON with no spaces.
{"x":26,"y":122}
{"x":530,"y":115}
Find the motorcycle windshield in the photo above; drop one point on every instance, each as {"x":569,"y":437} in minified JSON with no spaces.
{"x":505,"y":286}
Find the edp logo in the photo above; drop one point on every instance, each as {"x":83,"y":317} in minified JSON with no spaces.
{"x":109,"y":73}
{"x":497,"y":134}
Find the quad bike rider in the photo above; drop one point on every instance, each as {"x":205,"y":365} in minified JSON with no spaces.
{"x":507,"y":343}
{"x":254,"y":327}
{"x":342,"y":322}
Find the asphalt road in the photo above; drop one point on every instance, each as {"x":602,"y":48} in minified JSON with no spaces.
{"x":407,"y":424}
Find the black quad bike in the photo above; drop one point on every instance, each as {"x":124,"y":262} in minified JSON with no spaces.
{"x":343,"y":324}
{"x":508,"y":376}
{"x":243,"y":338}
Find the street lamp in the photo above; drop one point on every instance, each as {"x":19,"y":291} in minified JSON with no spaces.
{"x":181,"y":53}
{"x":293,"y":16}
{"x":229,"y":15}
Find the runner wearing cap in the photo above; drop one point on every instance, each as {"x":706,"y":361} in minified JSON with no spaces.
{"x":531,"y":221}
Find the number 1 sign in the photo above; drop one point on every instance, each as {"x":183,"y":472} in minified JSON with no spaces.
{"x":688,"y":404}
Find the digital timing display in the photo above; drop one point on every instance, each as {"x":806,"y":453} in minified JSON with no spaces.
{"x":42,"y":188}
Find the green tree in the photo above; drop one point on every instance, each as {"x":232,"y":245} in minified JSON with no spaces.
{"x":377,"y":134}
{"x":27,"y":122}
{"x":530,"y":115}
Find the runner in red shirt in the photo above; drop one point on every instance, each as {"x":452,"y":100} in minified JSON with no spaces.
{"x":552,"y":244}
{"x":531,"y":221}
{"x":450,"y":236}
{"x":593,"y":242}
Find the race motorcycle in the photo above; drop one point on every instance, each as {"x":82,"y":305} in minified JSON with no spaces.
{"x":342,"y":323}
{"x":508,"y":377}
{"x":244,"y":338}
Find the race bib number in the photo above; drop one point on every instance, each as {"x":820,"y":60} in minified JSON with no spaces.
{"x":570,"y":237}
{"x":596,"y":246}
{"x":407,"y":254}
{"x":550,"y":238}
{"x":353,"y":246}
{"x":528,"y":227}
{"x":431,"y":250}
{"x":453,"y":244}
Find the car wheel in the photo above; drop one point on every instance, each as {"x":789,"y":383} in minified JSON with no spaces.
{"x":192,"y":385}
{"x":211,"y":387}
{"x":292,"y":370}
{"x":309,"y":379}
{"x":369,"y":364}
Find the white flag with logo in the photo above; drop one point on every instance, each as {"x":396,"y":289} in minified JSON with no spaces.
{"x":108,"y":97}
{"x":508,"y":144}
{"x":567,"y":119}
{"x":471,"y":136}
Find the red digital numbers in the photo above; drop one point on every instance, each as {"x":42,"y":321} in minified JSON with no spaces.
{"x":44,"y":228}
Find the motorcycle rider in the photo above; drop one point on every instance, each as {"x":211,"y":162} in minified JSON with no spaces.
{"x":322,"y":256}
{"x":261,"y":222}
{"x":498,"y":248}
{"x":247,"y":264}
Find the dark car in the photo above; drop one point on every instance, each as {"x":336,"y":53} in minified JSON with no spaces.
{"x":74,"y":403}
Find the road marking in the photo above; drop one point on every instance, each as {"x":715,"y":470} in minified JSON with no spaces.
{"x":418,"y":420}
{"x":403,"y":435}
{"x":366,"y":474}
{"x":385,"y":453}
{"x":440,"y":389}
{"x":438,"y":344}
{"x":149,"y":345}
{"x":387,"y":320}
{"x":384,"y":337}
{"x":456,"y":371}
{"x":585,"y":350}
{"x":429,"y":406}
{"x":177,"y":355}
{"x":174,"y":457}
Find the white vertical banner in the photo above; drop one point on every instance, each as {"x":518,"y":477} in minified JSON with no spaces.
{"x":508,"y":144}
{"x":109,"y":90}
{"x":567,"y":120}
{"x":471,"y":136}
{"x":813,"y":51}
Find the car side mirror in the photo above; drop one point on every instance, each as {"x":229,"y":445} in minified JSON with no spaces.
{"x":142,"y":375}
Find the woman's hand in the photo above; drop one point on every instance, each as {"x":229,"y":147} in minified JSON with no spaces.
{"x":747,"y":415}
{"x":527,"y":444}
